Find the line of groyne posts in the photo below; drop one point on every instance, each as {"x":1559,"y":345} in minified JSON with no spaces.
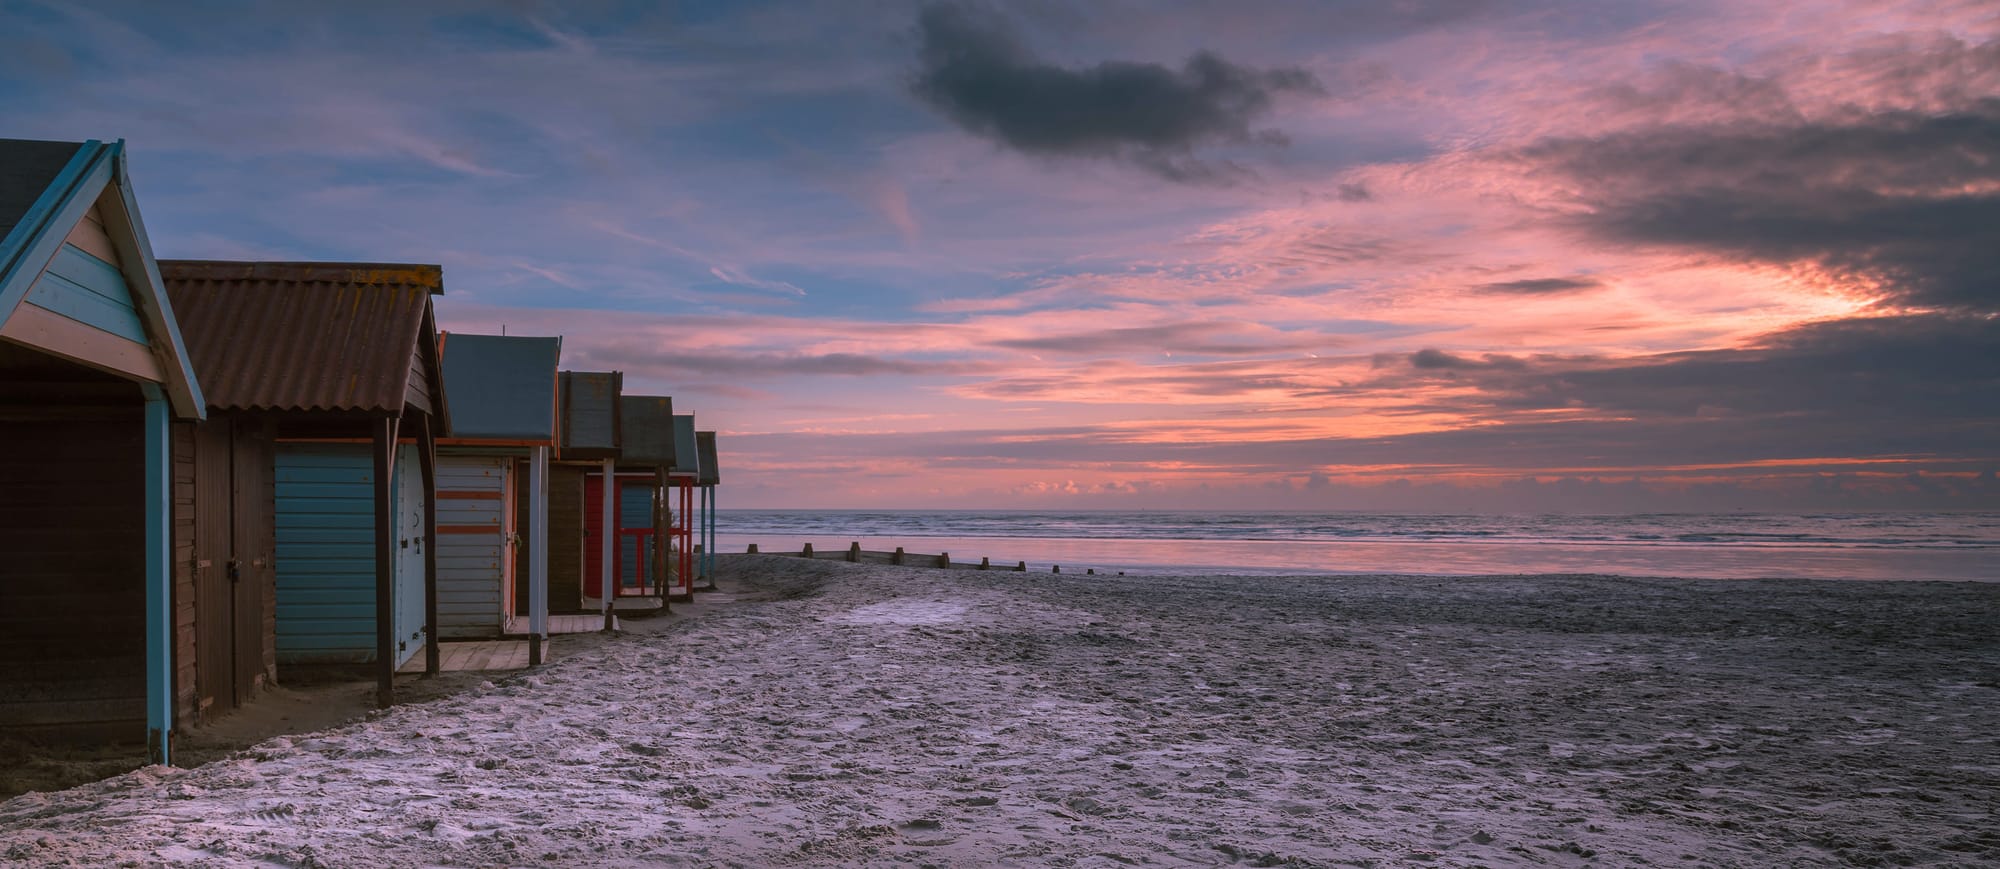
{"x":854,"y":554}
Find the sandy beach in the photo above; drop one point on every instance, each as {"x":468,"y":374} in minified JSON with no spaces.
{"x":838,"y":714}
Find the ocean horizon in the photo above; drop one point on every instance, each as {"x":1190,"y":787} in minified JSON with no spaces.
{"x":1958,"y":546}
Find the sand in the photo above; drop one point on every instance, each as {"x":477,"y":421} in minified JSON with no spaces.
{"x":845,"y":714}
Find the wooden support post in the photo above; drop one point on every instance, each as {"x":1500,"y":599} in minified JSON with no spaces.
{"x":662,"y":536}
{"x":159,"y":519}
{"x":538,"y":555}
{"x":898,"y":557}
{"x":854,"y":551}
{"x":1056,"y":569}
{"x":427,"y":469}
{"x":1021,"y":568}
{"x":985,"y":563}
{"x":808,"y":552}
{"x":752,"y":550}
{"x":385,"y":562}
{"x":944,"y":560}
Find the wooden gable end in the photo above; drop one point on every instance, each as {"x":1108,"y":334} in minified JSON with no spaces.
{"x":82,"y":309}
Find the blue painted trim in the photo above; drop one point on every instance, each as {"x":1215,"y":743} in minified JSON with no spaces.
{"x":184,"y":388}
{"x":159,"y":579}
{"x":32,"y":243}
{"x":90,"y":291}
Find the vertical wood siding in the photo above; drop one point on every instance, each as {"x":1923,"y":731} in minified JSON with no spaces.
{"x":565,"y":539}
{"x":72,"y":585}
{"x":184,"y":593}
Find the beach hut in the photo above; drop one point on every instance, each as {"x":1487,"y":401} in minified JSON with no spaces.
{"x":588,"y":436}
{"x":490,"y":467}
{"x":683,"y":477}
{"x":341,"y":361}
{"x":638,"y":568}
{"x":93,"y":372}
{"x":708,"y":478}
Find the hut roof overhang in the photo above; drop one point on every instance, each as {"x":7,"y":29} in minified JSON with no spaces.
{"x":46,"y":190}
{"x":502,"y":388}
{"x":323,"y":338}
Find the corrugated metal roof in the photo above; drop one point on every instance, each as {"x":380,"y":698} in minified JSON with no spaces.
{"x":711,"y":474}
{"x":589,"y":402}
{"x":308,"y":336}
{"x":648,"y":430}
{"x":502,"y":387}
{"x":687,"y":456}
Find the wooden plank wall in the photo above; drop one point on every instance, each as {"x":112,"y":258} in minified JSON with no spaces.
{"x":72,"y":585}
{"x":185,"y":704}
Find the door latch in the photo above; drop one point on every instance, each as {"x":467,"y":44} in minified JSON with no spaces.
{"x":235,"y":570}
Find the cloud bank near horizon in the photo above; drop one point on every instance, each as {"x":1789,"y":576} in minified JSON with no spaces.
{"x":1430,"y":254}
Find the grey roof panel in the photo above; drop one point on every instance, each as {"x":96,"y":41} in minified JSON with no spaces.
{"x":590,"y":411}
{"x":502,"y":387}
{"x":687,"y":456}
{"x":711,"y":473}
{"x":648,"y":428}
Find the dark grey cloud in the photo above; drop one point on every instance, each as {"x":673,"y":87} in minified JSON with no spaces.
{"x":1439,"y":360}
{"x":974,"y":71}
{"x":1204,"y":338}
{"x":1924,"y":387}
{"x":1540,"y":286}
{"x":671,"y":366}
{"x":1904,"y":200}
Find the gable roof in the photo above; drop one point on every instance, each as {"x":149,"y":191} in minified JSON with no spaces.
{"x":646,"y":429}
{"x":312,"y":336}
{"x":710,"y":473}
{"x":502,"y":387}
{"x":687,"y":456}
{"x":590,"y":426}
{"x":46,"y":189}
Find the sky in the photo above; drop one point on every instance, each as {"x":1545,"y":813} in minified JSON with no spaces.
{"x":1429,"y":255}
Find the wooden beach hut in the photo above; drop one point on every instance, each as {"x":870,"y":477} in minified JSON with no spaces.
{"x":340,"y":360}
{"x":93,"y":372}
{"x":709,"y":476}
{"x":683,"y":477}
{"x":588,"y":436}
{"x":491,"y":467}
{"x":638,"y":567}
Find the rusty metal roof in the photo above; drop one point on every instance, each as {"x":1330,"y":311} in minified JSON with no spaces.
{"x":309,"y":336}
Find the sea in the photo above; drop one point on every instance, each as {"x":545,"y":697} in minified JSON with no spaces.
{"x":1865,"y":546}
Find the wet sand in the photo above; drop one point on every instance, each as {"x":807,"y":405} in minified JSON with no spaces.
{"x":855,"y":714}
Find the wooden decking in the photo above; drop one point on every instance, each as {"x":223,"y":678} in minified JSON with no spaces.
{"x":517,"y":626}
{"x":480,"y":655}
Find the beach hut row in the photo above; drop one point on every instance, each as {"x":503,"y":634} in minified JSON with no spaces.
{"x":215,"y":473}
